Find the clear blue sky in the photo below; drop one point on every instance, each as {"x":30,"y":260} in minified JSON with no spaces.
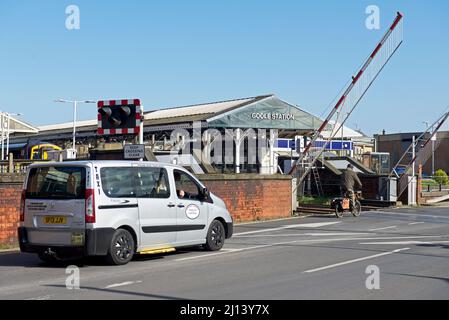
{"x":170,"y":53}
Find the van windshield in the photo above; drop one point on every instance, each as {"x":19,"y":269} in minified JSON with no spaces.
{"x":56,"y":183}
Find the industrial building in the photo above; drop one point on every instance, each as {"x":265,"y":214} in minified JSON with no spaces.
{"x":397,"y":143}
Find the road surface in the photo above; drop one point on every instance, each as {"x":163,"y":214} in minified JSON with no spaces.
{"x":317,"y":257}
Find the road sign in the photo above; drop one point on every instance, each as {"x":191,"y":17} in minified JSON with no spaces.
{"x":119,"y":116}
{"x":134,"y":151}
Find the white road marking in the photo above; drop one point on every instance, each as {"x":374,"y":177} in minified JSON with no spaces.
{"x":355,"y":260}
{"x":41,"y":297}
{"x":221,"y":253}
{"x":406,"y":242}
{"x":384,"y":228}
{"x":309,"y":241}
{"x":126,"y":283}
{"x":307,"y":234}
{"x":352,"y":239}
{"x":411,"y":214}
{"x":311,"y":225}
{"x":413,"y":223}
{"x":317,"y":234}
{"x":274,"y":220}
{"x":302,"y":225}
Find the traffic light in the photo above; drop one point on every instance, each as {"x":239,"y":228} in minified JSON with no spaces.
{"x":119,"y":117}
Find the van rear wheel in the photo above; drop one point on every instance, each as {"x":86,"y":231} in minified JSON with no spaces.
{"x":121,"y":249}
{"x":215,"y":236}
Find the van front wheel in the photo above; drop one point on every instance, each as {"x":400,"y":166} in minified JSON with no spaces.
{"x":121,"y":249}
{"x":215,"y":236}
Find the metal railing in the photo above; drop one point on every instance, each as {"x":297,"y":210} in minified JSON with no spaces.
{"x":430,"y":184}
{"x":16,"y":166}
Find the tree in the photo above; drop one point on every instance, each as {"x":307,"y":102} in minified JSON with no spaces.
{"x":441,"y":177}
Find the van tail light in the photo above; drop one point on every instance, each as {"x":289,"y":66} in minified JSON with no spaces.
{"x":22,"y":205}
{"x":90,"y":206}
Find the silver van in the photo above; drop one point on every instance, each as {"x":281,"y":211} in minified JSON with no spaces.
{"x":117,"y":209}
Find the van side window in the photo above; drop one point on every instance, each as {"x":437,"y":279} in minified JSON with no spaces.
{"x":118,"y":182}
{"x":152,"y":183}
{"x":186,"y":186}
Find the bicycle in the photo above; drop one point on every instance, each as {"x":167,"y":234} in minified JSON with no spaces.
{"x":344,"y":204}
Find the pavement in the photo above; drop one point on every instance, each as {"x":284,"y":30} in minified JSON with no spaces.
{"x":388,"y":254}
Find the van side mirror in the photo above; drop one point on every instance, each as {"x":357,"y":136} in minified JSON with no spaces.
{"x":205,"y":193}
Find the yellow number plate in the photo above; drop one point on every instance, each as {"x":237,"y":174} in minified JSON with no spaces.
{"x":55,"y":220}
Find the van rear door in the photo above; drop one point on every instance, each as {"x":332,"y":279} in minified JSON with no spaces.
{"x":55,"y":205}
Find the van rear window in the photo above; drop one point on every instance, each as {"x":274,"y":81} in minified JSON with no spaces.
{"x":56,"y":183}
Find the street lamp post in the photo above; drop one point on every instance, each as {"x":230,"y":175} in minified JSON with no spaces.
{"x":75,"y":102}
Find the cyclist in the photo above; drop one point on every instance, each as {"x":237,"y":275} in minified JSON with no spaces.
{"x":349,"y":181}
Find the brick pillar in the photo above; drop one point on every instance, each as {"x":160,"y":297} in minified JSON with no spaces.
{"x":10,"y":193}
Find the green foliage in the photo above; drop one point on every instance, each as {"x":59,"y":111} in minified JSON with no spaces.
{"x":441,"y":177}
{"x":314,"y":200}
{"x":429,"y":182}
{"x":4,"y":246}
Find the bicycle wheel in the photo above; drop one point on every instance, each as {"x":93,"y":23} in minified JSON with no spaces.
{"x":339,"y":211}
{"x":356,"y":209}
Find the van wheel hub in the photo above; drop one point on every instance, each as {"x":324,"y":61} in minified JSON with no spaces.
{"x":123,"y":248}
{"x":217,"y":234}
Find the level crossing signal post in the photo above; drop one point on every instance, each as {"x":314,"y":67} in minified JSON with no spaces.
{"x":121,"y":117}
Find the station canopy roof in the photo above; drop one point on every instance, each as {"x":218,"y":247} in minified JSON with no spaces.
{"x":264,"y":112}
{"x":268,"y":112}
{"x":18,"y":126}
{"x":342,"y":131}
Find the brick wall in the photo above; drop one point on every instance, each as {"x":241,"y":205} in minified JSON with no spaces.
{"x":10,"y":192}
{"x":249,"y":197}
{"x":252,"y":197}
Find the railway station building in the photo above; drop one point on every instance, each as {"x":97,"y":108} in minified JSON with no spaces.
{"x":242,"y":123}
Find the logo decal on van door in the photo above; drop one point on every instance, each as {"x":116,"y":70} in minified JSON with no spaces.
{"x":192,"y":211}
